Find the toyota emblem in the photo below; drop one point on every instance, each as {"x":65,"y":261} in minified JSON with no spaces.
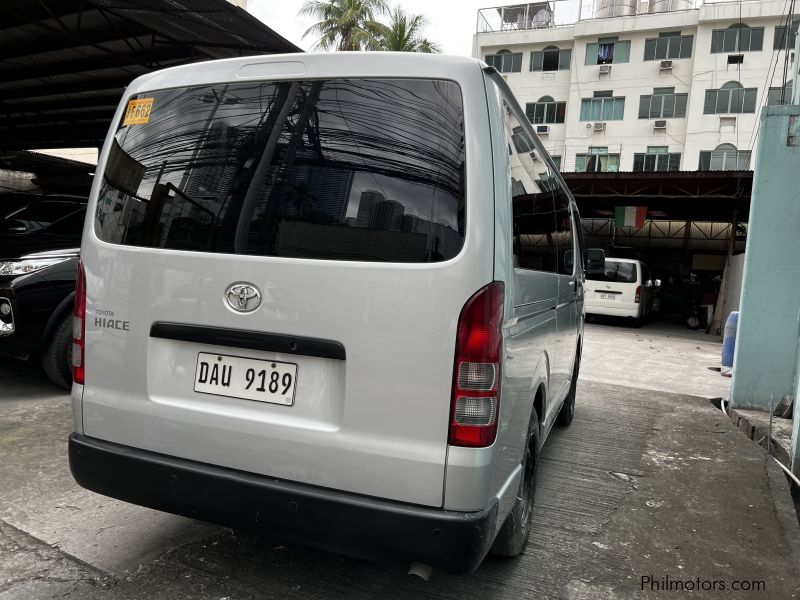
{"x":243,"y":297}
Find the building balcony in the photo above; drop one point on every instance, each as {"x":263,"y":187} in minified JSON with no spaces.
{"x":555,"y":13}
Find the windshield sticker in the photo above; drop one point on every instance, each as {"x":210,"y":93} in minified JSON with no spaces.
{"x":138,"y":112}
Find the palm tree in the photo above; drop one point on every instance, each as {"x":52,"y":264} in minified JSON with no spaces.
{"x":344,"y":24}
{"x":404,"y":34}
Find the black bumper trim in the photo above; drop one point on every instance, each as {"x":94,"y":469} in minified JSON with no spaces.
{"x":252,"y":340}
{"x":360,"y":526}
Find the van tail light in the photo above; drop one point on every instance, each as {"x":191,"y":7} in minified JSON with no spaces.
{"x":476,"y":377}
{"x":638,"y":294}
{"x":79,"y":327}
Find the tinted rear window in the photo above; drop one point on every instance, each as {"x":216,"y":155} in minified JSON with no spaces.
{"x":616,"y":272}
{"x":338,"y":169}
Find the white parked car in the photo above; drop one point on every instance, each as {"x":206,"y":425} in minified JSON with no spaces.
{"x":623,"y":289}
{"x":333,"y":297}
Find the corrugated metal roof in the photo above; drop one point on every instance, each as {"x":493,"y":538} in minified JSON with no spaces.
{"x":717,"y":196}
{"x":64,"y":64}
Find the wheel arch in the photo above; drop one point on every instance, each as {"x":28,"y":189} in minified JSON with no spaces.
{"x":64,"y":308}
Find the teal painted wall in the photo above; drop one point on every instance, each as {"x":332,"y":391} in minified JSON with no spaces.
{"x":796,"y":424}
{"x":765,"y":359}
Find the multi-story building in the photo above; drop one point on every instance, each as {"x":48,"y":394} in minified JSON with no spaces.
{"x":629,"y":85}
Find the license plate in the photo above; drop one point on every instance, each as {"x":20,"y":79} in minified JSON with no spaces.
{"x":608,"y":297}
{"x":246,"y":378}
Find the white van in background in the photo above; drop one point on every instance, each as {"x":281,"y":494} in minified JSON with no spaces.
{"x":337,"y":298}
{"x":623,"y":289}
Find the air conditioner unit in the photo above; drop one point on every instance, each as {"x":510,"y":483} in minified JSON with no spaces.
{"x":661,"y":124}
{"x":666,"y":65}
{"x":543,"y":129}
{"x":599,"y":126}
{"x":736,"y":59}
{"x":533,"y":156}
{"x":605,"y":69}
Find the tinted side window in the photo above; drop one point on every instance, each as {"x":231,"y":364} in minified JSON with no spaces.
{"x":564,"y":232}
{"x":531,"y":184}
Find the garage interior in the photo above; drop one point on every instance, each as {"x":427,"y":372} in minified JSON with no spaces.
{"x":693,"y":238}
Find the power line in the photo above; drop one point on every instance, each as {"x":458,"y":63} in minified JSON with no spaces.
{"x":768,"y":80}
{"x":787,"y":35}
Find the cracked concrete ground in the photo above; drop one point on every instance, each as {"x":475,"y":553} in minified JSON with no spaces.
{"x":644,"y":484}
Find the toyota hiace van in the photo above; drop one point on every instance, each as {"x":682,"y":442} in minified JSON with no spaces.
{"x":337,"y":298}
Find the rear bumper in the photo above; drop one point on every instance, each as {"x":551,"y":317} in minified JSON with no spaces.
{"x":361,"y":526}
{"x":634,"y":311}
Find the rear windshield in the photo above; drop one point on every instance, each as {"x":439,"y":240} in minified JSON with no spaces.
{"x":616,"y":272}
{"x":341,"y":169}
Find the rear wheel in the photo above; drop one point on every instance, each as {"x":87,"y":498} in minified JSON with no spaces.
{"x":57,"y":356}
{"x":513,"y":534}
{"x":567,"y":411}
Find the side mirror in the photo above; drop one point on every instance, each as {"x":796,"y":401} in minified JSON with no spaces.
{"x":657,"y":283}
{"x":595,"y":261}
{"x":648,"y":283}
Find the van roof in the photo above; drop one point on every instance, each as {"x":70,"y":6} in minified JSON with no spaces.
{"x":309,"y":66}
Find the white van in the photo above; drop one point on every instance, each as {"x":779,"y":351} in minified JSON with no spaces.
{"x":623,"y":289}
{"x":337,"y":298}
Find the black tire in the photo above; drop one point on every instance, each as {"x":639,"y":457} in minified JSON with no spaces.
{"x":513,"y":534}
{"x":567,"y":411}
{"x":57,"y":356}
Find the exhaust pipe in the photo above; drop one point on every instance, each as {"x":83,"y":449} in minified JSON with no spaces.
{"x":421,"y":570}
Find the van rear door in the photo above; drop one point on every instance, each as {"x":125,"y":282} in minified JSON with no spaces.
{"x":616,"y":287}
{"x":275,"y":275}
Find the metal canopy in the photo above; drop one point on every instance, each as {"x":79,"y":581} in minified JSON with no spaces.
{"x":718,"y":196}
{"x":64,"y":64}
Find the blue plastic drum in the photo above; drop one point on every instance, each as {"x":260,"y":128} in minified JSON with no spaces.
{"x":729,"y":339}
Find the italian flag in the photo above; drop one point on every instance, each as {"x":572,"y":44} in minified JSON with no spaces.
{"x":631,"y":216}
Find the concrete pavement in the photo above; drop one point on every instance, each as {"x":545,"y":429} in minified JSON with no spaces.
{"x":645,"y":485}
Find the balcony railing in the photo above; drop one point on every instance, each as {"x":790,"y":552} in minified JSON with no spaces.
{"x":553,"y":13}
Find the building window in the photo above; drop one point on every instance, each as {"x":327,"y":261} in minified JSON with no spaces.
{"x":780,"y":42}
{"x":603,"y":107}
{"x":657,"y":158}
{"x":664,"y":103}
{"x":731,"y":98}
{"x":725,"y":158}
{"x":557,"y":161}
{"x":777,"y":95}
{"x":551,"y":59}
{"x":546,"y":110}
{"x":668,"y":45}
{"x":737,"y":38}
{"x":608,"y":51}
{"x":597,"y":160}
{"x":505,"y":61}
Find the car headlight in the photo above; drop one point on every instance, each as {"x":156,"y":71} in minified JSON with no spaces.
{"x":29,"y":265}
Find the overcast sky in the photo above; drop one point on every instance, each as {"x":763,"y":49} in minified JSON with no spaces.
{"x":451,"y":23}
